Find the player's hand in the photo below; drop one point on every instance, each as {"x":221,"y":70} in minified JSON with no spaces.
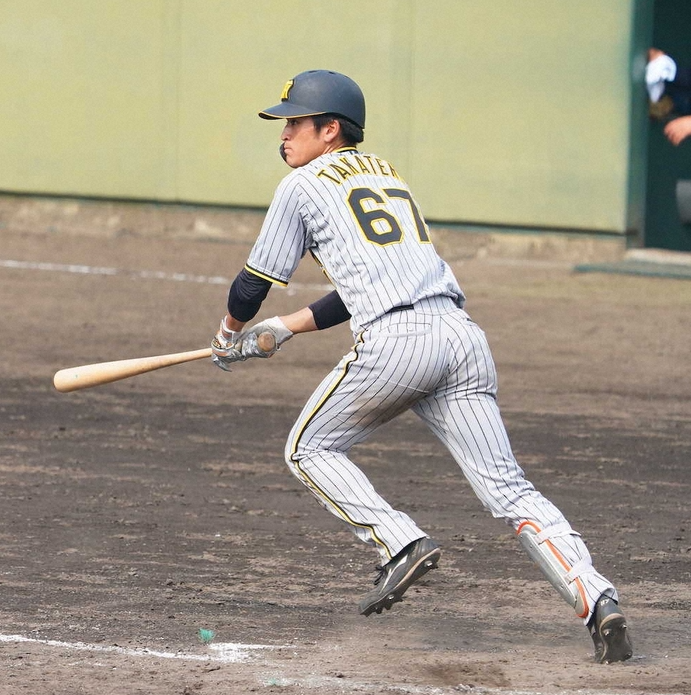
{"x":225,"y":347}
{"x":678,"y":129}
{"x":274,"y":326}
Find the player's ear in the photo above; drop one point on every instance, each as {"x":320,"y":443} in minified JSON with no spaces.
{"x":332,"y":130}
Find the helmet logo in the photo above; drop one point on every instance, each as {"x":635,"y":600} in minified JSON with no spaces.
{"x":286,"y":90}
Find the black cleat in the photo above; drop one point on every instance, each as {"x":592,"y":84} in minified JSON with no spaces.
{"x":608,"y":629}
{"x":414,"y":561}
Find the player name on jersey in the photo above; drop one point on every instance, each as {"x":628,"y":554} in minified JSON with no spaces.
{"x":355,"y":163}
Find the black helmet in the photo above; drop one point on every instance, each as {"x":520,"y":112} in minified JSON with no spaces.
{"x":320,"y":91}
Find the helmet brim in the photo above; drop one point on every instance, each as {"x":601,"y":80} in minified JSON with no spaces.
{"x":287,"y":110}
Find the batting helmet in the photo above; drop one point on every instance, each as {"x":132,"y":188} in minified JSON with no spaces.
{"x":320,"y":91}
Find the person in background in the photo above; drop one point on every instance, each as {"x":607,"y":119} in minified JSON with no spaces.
{"x":670,"y":95}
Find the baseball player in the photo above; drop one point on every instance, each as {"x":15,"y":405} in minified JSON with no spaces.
{"x":414,"y":348}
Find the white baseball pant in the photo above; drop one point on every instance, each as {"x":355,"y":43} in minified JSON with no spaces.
{"x":434,"y":360}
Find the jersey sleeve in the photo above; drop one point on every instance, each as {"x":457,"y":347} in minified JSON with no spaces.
{"x":283,"y":239}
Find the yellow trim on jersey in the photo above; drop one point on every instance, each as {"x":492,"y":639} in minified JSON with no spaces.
{"x":265,"y":277}
{"x":309,"y":482}
{"x":321,"y":267}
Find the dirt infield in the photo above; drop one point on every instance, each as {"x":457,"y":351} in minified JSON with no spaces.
{"x":136,"y":514}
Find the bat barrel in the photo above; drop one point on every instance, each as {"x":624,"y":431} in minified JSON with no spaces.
{"x":89,"y":375}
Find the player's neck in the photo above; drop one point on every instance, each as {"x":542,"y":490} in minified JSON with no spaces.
{"x":336,"y":146}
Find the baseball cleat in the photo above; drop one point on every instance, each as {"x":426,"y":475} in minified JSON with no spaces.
{"x":609,"y":632}
{"x":394,"y":578}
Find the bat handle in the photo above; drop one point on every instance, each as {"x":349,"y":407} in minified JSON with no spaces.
{"x":266,"y":342}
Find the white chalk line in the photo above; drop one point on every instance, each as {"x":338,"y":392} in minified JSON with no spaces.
{"x":233,"y":652}
{"x":145,"y":274}
{"x":224,"y":652}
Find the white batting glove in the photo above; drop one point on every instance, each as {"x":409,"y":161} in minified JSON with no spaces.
{"x":225,"y":347}
{"x":274,"y":326}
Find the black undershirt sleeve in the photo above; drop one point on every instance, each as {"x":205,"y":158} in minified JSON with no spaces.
{"x":329,"y":311}
{"x":246,"y":295}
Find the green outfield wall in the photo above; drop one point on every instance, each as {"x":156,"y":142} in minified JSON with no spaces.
{"x":505,"y":112}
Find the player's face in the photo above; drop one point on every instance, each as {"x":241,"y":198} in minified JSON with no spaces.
{"x":302,"y":142}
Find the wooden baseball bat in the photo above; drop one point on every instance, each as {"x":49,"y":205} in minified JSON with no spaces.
{"x":88,"y":375}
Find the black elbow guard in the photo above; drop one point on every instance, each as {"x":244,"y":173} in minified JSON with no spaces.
{"x":329,"y":311}
{"x":246,"y":295}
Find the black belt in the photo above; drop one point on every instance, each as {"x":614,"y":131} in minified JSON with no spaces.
{"x":401,"y":307}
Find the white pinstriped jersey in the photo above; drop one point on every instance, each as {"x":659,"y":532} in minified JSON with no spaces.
{"x":357,"y":217}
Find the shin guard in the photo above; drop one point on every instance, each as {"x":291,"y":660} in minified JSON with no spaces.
{"x":562,"y":576}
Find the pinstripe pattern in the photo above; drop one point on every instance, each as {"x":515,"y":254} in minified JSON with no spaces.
{"x":310,"y":212}
{"x":355,"y":215}
{"x":436,"y":361}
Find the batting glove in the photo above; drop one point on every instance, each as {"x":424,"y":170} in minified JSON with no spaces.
{"x":223,"y":347}
{"x":273,"y":326}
